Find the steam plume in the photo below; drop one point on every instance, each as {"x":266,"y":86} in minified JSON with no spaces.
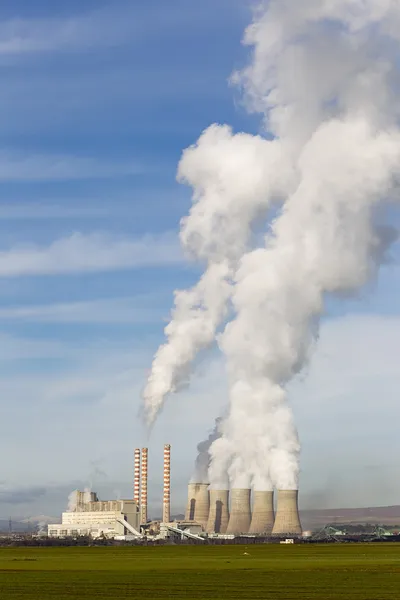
{"x":235,"y":178}
{"x":72,"y":501}
{"x":203,"y":457}
{"x":323,"y":76}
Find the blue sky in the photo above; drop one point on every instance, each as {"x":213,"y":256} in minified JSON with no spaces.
{"x":98,"y":100}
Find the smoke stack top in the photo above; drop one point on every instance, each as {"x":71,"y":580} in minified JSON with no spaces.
{"x":330,"y":159}
{"x":167,"y":484}
{"x":136,"y":480}
{"x":143,"y":498}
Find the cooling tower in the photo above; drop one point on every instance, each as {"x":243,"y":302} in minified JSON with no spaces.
{"x":287,"y":520}
{"x":262,"y":520}
{"x":166,"y":517}
{"x":198,"y":505}
{"x":240,"y":517}
{"x":136,"y":480}
{"x":219,"y":511}
{"x":143,"y":497}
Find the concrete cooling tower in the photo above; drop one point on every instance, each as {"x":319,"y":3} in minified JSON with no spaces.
{"x":198,"y":505}
{"x":262,"y":520}
{"x":287,"y":520}
{"x":240,"y":517}
{"x":219,"y":511}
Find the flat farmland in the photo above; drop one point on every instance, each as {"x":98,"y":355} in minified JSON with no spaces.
{"x":341,"y":571}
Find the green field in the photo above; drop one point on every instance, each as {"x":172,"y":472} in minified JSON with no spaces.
{"x":359,"y":571}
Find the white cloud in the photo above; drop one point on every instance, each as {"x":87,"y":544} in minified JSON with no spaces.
{"x":89,"y":253}
{"x":19,"y":167}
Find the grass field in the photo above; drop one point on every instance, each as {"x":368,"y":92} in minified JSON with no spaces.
{"x":368,"y":572}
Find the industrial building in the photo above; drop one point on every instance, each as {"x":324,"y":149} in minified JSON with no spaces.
{"x":109,"y":519}
{"x":209,"y":512}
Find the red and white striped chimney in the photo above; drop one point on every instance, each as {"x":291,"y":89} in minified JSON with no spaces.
{"x":167,"y":484}
{"x":143,"y":497}
{"x":136,"y":481}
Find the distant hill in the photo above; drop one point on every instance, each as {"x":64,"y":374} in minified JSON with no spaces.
{"x":385,"y":515}
{"x":26,"y":525}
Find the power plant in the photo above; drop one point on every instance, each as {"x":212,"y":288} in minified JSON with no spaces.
{"x":209,"y":512}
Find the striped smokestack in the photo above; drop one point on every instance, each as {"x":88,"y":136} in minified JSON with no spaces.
{"x":287,"y":520}
{"x":198,"y":505}
{"x":219,"y":511}
{"x":143,"y":497}
{"x":167,"y":484}
{"x":240,"y":518}
{"x":136,"y":480}
{"x":262,"y":520}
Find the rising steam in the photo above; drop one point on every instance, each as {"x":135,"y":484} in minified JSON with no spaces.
{"x":323,"y":75}
{"x":203,"y":454}
{"x":74,"y":499}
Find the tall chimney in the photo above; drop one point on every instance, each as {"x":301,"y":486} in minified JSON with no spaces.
{"x":263,"y":513}
{"x":198,"y":505}
{"x":143,"y":498}
{"x":136,"y":480}
{"x":219,"y":511}
{"x":239,"y":521}
{"x":167,"y":484}
{"x":287,"y":520}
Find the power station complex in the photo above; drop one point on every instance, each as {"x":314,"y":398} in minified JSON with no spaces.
{"x":209,"y":512}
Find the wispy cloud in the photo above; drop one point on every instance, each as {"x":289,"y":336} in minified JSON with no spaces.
{"x":98,"y":28}
{"x":20,"y":167}
{"x":107,"y":26}
{"x":18,"y":211}
{"x":117,"y":310}
{"x":20,"y":495}
{"x":90,"y":253}
{"x":19,"y":348}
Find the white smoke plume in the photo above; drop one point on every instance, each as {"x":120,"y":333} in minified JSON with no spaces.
{"x":74,"y":499}
{"x":323,"y":75}
{"x":235,"y":178}
{"x":203,"y":458}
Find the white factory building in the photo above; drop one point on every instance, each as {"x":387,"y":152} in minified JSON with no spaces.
{"x":112,"y":518}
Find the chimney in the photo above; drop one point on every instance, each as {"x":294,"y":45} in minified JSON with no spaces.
{"x":198,"y":505}
{"x":136,"y":480}
{"x":263,"y":513}
{"x":166,"y":517}
{"x":239,"y":521}
{"x":143,"y":498}
{"x":80,"y":501}
{"x":287,"y":520}
{"x":219,"y":511}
